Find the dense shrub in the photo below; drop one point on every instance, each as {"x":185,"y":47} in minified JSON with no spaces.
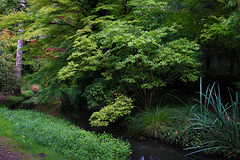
{"x":110,"y":113}
{"x":66,"y":138}
{"x":27,"y":94}
{"x":98,"y":95}
{"x":8,"y":79}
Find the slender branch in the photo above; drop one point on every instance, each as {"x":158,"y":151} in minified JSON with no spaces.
{"x":145,"y":97}
{"x":56,"y":35}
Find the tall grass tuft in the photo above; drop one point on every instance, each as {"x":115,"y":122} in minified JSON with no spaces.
{"x":159,"y":122}
{"x":216,"y":125}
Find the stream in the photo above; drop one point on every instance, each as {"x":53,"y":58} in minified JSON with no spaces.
{"x":152,"y":149}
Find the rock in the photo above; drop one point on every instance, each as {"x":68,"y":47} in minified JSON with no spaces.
{"x":2,"y":98}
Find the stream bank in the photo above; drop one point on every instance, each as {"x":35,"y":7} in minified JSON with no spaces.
{"x":150,"y":149}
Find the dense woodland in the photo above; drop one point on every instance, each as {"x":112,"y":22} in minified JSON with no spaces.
{"x":116,"y":58}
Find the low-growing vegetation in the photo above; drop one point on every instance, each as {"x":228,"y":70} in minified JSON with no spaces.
{"x":23,"y":144}
{"x":158,"y":122}
{"x":65,"y":138}
{"x":13,"y":101}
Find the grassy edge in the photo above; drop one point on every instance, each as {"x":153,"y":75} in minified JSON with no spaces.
{"x":24,"y":145}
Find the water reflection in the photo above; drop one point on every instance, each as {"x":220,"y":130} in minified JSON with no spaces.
{"x":150,"y":158}
{"x":156,"y":150}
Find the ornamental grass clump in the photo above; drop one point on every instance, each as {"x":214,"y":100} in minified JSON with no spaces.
{"x":65,"y":138}
{"x":216,"y":125}
{"x":160,"y":122}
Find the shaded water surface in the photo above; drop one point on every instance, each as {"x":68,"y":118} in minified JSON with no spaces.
{"x":156,"y":150}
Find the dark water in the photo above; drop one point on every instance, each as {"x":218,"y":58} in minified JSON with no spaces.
{"x":156,"y":150}
{"x":142,"y":149}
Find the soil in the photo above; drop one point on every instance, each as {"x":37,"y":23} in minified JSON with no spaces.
{"x":8,"y":151}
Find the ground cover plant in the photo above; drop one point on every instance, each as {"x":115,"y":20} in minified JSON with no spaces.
{"x":23,"y":145}
{"x":65,"y":138}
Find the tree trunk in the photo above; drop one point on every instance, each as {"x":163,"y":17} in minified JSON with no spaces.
{"x":19,"y":58}
{"x":19,"y":48}
{"x":232,"y":61}
{"x":19,"y":53}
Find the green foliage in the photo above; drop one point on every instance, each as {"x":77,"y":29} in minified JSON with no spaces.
{"x":193,"y":14}
{"x":141,"y":55}
{"x":14,"y":99}
{"x":8,"y":80}
{"x":110,"y":113}
{"x":222,"y":31}
{"x":217,"y":127}
{"x":98,"y":95}
{"x":150,"y":13}
{"x":140,"y":59}
{"x":46,"y":27}
{"x":8,"y":6}
{"x":160,"y":122}
{"x":47,"y":79}
{"x":223,"y":28}
{"x":65,"y":138}
{"x":27,"y":93}
{"x":53,"y":24}
{"x":23,"y":144}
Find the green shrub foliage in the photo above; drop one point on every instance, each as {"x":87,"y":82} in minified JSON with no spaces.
{"x":141,"y":60}
{"x":142,"y":54}
{"x":8,"y":79}
{"x":110,"y":113}
{"x":123,"y":41}
{"x":98,"y":94}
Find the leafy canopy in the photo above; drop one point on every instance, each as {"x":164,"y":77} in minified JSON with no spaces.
{"x":139,"y":57}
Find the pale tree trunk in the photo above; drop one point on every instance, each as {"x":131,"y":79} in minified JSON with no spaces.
{"x":19,"y":58}
{"x":19,"y":53}
{"x":19,"y":48}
